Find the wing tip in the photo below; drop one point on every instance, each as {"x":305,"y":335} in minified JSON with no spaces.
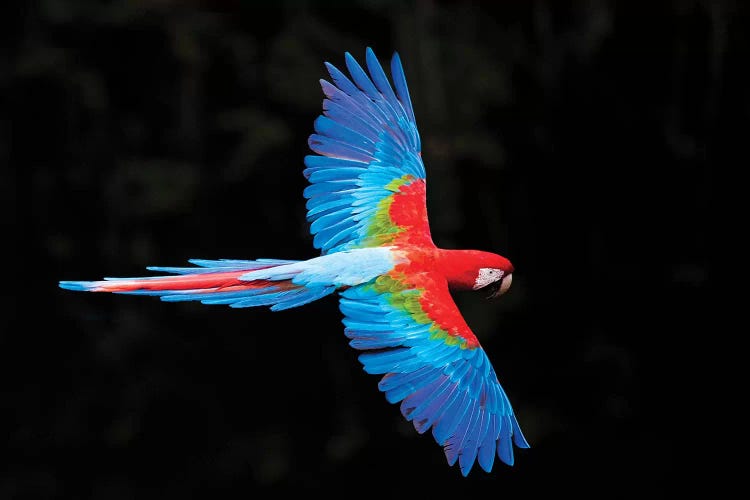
{"x":518,"y":438}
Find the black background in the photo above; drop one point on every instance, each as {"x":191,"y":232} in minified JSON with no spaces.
{"x":576,"y":138}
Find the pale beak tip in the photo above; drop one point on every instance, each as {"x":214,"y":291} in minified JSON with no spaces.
{"x":504,"y":285}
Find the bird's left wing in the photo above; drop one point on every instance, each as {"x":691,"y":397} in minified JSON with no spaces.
{"x":367,"y":180}
{"x":412,"y":332}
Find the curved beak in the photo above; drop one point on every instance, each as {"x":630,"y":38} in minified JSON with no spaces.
{"x":504,"y":286}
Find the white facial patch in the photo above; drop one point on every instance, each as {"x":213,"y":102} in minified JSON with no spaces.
{"x":486,"y":276}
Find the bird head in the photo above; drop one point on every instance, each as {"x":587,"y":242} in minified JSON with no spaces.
{"x":494,"y":276}
{"x":493,"y":280}
{"x":476,"y":270}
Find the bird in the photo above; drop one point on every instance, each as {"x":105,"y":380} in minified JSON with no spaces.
{"x":367,"y":211}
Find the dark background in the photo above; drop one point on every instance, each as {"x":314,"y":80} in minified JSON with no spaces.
{"x":576,"y":138}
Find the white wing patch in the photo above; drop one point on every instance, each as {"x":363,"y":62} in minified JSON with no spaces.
{"x":486,"y":276}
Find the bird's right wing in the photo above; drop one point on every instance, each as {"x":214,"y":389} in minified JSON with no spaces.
{"x":367,"y":181}
{"x":412,"y":332}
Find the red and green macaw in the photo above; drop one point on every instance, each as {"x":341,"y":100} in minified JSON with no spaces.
{"x":367,"y":208}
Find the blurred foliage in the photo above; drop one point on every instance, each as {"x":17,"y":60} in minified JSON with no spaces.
{"x":577,"y":138}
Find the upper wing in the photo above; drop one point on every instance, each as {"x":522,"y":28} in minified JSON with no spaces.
{"x":414,"y":333}
{"x":367,"y":179}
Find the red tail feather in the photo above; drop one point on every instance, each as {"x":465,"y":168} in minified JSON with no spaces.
{"x":207,"y":282}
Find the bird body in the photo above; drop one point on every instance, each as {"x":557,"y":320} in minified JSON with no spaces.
{"x":368,"y":217}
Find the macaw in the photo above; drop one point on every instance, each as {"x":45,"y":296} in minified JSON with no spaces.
{"x":366,"y":204}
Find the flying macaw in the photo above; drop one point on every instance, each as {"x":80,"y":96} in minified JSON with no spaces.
{"x":366,"y":203}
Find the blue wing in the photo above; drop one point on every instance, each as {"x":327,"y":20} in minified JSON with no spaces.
{"x":440,"y":374}
{"x":368,"y":150}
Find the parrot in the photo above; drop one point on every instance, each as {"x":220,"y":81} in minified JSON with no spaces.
{"x":367,"y":213}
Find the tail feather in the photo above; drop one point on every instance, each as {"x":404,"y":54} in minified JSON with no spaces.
{"x":224,"y":264}
{"x":217,"y":282}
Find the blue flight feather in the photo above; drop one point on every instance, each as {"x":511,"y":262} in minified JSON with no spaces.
{"x":518,"y":437}
{"x":359,"y":122}
{"x":398,"y":393}
{"x":360,"y":77}
{"x":330,"y":174}
{"x":469,"y":446}
{"x":329,"y":146}
{"x":426,"y":409}
{"x":329,"y":128}
{"x":358,"y":107}
{"x":313,"y":161}
{"x":393,"y":380}
{"x":399,"y":81}
{"x":361,"y":100}
{"x":454,"y":412}
{"x":381,"y":80}
{"x":505,"y":448}
{"x":487,"y":449}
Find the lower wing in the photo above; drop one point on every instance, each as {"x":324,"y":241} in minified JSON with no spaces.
{"x":413,"y":334}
